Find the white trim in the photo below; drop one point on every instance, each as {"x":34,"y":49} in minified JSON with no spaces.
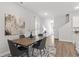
{"x":67,"y":40}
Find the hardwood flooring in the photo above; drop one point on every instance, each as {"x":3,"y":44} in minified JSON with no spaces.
{"x":65,"y":49}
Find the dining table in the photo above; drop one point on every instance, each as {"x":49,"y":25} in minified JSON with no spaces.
{"x":27,"y":42}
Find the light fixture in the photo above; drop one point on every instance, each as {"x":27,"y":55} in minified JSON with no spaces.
{"x":45,"y":13}
{"x":76,"y":8}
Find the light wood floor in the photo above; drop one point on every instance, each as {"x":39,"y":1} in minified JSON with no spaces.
{"x":65,"y":49}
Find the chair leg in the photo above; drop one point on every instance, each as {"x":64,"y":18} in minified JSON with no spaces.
{"x":41,"y":53}
{"x":32,"y":51}
{"x":44,"y":51}
{"x":27,"y":52}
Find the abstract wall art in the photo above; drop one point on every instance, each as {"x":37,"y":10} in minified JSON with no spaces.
{"x":14,"y":25}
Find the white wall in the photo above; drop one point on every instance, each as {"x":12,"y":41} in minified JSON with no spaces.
{"x":59,"y":21}
{"x":14,"y":9}
{"x":47,"y":24}
{"x":66,"y":33}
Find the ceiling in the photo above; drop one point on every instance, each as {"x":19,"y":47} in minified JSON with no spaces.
{"x":52,"y":8}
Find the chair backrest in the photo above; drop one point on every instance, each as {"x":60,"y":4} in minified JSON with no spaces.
{"x":40,"y":34}
{"x":13,"y":49}
{"x":42,"y":43}
{"x":22,"y":36}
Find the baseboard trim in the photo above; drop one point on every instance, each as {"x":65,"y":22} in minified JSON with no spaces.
{"x":66,"y":41}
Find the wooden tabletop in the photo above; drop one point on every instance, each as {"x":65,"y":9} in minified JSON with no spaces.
{"x":24,"y":41}
{"x":27,"y":41}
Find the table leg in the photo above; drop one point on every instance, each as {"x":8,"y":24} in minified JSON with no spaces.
{"x":28,"y":52}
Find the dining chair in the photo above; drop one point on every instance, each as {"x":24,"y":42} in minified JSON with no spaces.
{"x":40,"y":34}
{"x":22,"y":36}
{"x":40,"y":46}
{"x":14,"y":50}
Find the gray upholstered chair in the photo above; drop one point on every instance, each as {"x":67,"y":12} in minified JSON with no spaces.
{"x":22,"y":36}
{"x":40,"y":46}
{"x":14,"y":50}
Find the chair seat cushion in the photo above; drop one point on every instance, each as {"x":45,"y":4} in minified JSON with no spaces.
{"x":35,"y":46}
{"x":22,"y":48}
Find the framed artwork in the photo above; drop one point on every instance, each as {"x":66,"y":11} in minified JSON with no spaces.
{"x":14,"y":25}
